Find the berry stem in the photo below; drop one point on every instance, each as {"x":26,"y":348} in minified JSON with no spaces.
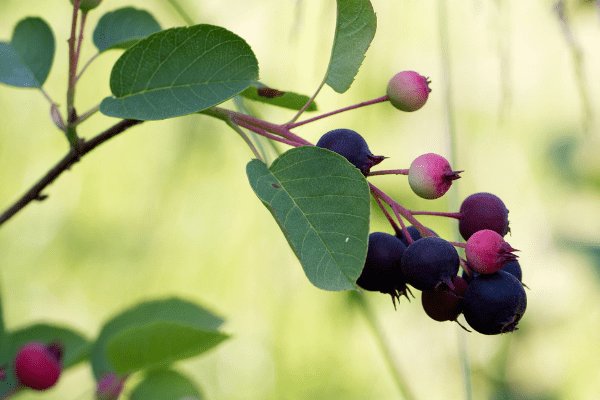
{"x":86,"y":65}
{"x":389,"y":172}
{"x":246,"y":139}
{"x":458,"y":244}
{"x":455,"y":215}
{"x":395,"y":226}
{"x":367,"y":311}
{"x":306,"y":105}
{"x":292,"y":124}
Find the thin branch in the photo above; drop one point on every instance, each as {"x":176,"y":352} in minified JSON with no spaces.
{"x":72,"y":63}
{"x":246,"y":139}
{"x":389,"y":172}
{"x":291,"y":125}
{"x":86,"y":65}
{"x":395,"y":226}
{"x":308,"y":103}
{"x":86,"y":115}
{"x":71,"y":158}
{"x":455,"y":215}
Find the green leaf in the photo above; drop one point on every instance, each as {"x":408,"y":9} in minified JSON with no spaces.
{"x":158,"y":344}
{"x":165,"y":385}
{"x":171,"y":310}
{"x":321,"y":203}
{"x":27,"y":59}
{"x":75,"y":347}
{"x":179,"y":71}
{"x":291,"y":100}
{"x":355,"y":28}
{"x":122,"y":28}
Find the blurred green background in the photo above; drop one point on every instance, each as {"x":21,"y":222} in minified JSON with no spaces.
{"x":165,"y":209}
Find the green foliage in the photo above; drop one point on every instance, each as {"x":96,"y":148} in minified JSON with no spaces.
{"x":159,"y":344}
{"x":75,"y":347}
{"x":165,"y":385}
{"x":274,"y":97}
{"x":179,"y":71}
{"x":27,"y":59}
{"x":171,"y":319}
{"x":355,"y":29}
{"x":321,"y":203}
{"x":122,"y":28}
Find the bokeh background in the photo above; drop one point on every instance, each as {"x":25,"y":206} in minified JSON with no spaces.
{"x":165,"y":209}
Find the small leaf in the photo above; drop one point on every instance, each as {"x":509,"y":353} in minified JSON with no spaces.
{"x":291,"y":100}
{"x":75,"y":347}
{"x":158,"y":344}
{"x":321,"y":203}
{"x":158,"y":311}
{"x":122,"y":28}
{"x":165,"y":385}
{"x":355,"y":29}
{"x":27,"y":59}
{"x":179,"y":71}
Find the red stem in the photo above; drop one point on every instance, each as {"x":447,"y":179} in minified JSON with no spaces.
{"x":459,"y":244}
{"x":352,"y":107}
{"x":264,"y":133}
{"x":455,"y":215}
{"x":397,"y":229}
{"x":389,"y":172}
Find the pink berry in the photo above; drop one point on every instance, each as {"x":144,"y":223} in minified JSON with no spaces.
{"x":430,"y":176}
{"x":408,"y":90}
{"x":109,"y":387}
{"x":487,"y":252}
{"x":37,"y":366}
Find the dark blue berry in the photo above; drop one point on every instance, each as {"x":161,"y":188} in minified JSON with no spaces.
{"x":482,"y":211}
{"x":382,"y":267}
{"x":494,"y":303}
{"x":513,"y":268}
{"x":352,"y":146}
{"x":430,"y":262}
{"x":443,"y":303}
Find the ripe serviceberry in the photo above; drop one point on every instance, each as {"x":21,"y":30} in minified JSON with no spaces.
{"x":487,"y":252}
{"x":408,"y":90}
{"x":430,"y":176}
{"x":38,"y":366}
{"x":109,"y":387}
{"x":443,"y":303}
{"x":382,"y":267}
{"x":352,"y":146}
{"x":514,"y":268}
{"x":482,"y":211}
{"x":414,"y":234}
{"x":494,"y":303}
{"x":430,"y":262}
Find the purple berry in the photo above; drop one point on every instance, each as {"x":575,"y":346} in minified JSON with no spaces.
{"x":482,"y":211}
{"x":414,"y":234}
{"x":430,"y":262}
{"x":382,"y":267}
{"x":109,"y":387}
{"x":352,"y":146}
{"x":408,"y":90}
{"x":38,"y":366}
{"x":443,"y":303}
{"x":430,"y":176}
{"x":514,"y":268}
{"x":487,"y":252}
{"x":494,"y":303}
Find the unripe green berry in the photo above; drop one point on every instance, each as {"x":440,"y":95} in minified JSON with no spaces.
{"x":87,"y":5}
{"x":408,"y":90}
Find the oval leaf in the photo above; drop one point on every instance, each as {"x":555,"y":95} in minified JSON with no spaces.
{"x":158,"y":344}
{"x":122,"y":28}
{"x":274,"y":97}
{"x":75,"y":347}
{"x":321,"y":203}
{"x":27,"y":59}
{"x":165,"y":385}
{"x":179,"y":71}
{"x":355,"y":28}
{"x":168,"y":310}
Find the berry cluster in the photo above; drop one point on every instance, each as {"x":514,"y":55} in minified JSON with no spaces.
{"x":489,"y":293}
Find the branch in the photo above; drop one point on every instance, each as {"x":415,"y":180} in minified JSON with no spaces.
{"x":71,"y":158}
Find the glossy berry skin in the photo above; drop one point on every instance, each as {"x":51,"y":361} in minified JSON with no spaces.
{"x":352,"y":146}
{"x":408,"y":90}
{"x":414,"y":234}
{"x":487,"y":252}
{"x":514,"y":268}
{"x":494,"y":303}
{"x":37,"y":366}
{"x":443,"y":303}
{"x":430,"y":176}
{"x":482,"y":211}
{"x":382,"y":266}
{"x":429,"y":262}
